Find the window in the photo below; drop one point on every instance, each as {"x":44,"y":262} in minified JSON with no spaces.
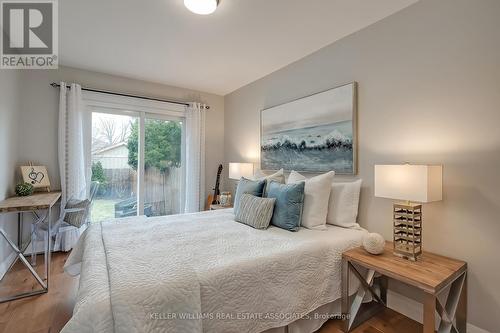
{"x":163,"y":172}
{"x":112,"y":147}
{"x":137,"y":155}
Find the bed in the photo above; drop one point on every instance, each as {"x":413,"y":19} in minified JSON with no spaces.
{"x":204,"y":272}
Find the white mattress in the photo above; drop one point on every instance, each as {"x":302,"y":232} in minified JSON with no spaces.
{"x":144,"y":274}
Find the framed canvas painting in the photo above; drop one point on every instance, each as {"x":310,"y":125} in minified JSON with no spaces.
{"x":36,"y":175}
{"x":313,"y":134}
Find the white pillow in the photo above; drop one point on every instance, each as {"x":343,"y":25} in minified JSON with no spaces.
{"x":316,"y":194}
{"x":343,"y":206}
{"x":278,"y":176}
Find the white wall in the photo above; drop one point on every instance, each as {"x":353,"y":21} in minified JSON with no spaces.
{"x":429,"y":92}
{"x":9,"y":114}
{"x":39,"y":116}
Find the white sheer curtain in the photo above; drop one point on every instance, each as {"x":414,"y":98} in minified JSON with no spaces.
{"x":72,"y":164}
{"x":195,"y":157}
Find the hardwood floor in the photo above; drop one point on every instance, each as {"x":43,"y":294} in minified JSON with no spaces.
{"x":38,"y":314}
{"x":387,"y":321}
{"x":49,"y":312}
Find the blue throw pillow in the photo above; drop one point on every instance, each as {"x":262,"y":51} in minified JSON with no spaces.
{"x":289,"y":202}
{"x":253,"y":187}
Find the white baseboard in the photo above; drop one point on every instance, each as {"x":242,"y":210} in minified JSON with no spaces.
{"x":413,"y":309}
{"x":4,"y":265}
{"x":474,"y":329}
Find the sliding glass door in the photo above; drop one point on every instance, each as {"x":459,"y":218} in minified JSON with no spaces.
{"x":138,"y":158}
{"x":163,"y":167}
{"x":111,"y":151}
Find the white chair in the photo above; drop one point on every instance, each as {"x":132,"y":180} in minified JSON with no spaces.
{"x":76,"y":213}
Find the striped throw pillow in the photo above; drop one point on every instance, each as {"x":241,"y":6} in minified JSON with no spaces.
{"x":255,"y":211}
{"x":76,"y":218}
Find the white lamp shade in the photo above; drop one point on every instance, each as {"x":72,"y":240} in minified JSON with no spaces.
{"x":238,"y":170}
{"x":418,"y":183}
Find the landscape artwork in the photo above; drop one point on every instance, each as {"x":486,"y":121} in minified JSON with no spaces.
{"x":312,"y":134}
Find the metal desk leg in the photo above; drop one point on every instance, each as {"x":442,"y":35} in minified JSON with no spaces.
{"x":20,"y":230}
{"x":20,"y":256}
{"x":23,"y":260}
{"x":47,"y":250}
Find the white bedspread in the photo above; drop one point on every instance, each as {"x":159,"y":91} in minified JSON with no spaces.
{"x":202,"y":272}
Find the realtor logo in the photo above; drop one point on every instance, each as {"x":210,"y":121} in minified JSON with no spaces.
{"x":29,"y":34}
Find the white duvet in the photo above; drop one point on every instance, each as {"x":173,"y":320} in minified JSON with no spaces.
{"x":202,"y":272}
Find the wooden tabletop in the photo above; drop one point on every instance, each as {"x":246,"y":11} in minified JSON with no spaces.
{"x":430,"y":273}
{"x":37,"y":201}
{"x":217,"y":206}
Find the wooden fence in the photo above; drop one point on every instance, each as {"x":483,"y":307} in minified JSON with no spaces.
{"x":162,"y":190}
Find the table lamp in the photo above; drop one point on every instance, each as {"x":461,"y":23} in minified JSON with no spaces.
{"x":415,"y":184}
{"x":238,"y":170}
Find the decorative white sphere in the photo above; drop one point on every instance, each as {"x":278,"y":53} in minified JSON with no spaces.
{"x":374,"y":243}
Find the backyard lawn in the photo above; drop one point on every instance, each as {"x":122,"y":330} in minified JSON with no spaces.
{"x":103,"y":209}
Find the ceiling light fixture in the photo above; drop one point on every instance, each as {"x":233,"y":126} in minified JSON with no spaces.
{"x":201,"y":7}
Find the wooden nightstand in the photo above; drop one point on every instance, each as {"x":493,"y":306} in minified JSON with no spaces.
{"x":216,"y":207}
{"x":432,"y":274}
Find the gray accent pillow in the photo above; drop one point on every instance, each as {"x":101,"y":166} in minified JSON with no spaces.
{"x":254,"y":211}
{"x":289,"y":203}
{"x":77,"y":218}
{"x":253,"y":187}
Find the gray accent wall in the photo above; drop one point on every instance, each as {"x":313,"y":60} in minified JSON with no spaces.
{"x":429,"y":92}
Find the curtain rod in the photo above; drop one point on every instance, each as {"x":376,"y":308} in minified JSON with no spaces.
{"x":57,"y":85}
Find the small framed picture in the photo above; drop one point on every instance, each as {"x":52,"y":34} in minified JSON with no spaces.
{"x":36,"y":175}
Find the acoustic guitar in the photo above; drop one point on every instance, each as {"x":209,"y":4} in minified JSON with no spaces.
{"x":213,"y":199}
